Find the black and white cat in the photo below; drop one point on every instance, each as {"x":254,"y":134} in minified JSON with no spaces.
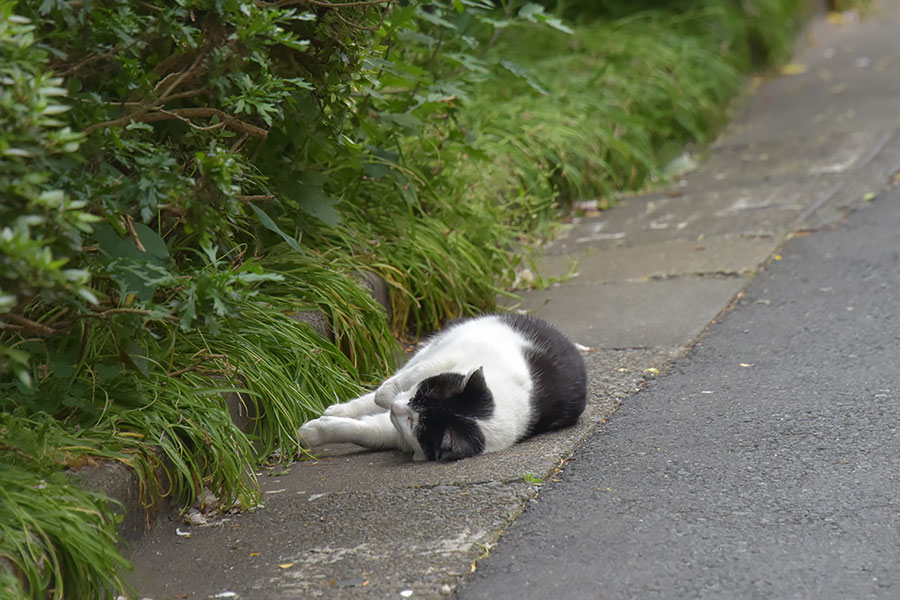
{"x":479,"y":386}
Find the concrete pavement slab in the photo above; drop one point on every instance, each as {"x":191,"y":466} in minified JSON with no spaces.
{"x":812,"y":111}
{"x":762,"y":209}
{"x":673,"y":258}
{"x":665,"y":314}
{"x":848,"y":80}
{"x":353,"y":544}
{"x":855,"y":171}
{"x":767,"y":160}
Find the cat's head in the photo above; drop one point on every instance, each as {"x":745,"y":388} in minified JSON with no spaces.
{"x":438,"y":419}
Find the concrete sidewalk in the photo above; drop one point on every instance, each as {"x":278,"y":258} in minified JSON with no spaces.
{"x":652,"y":274}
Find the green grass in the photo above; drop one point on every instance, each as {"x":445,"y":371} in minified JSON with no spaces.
{"x":289,"y":372}
{"x":620,"y":98}
{"x":60,"y":539}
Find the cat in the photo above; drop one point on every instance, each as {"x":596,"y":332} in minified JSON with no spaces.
{"x":478,"y":386}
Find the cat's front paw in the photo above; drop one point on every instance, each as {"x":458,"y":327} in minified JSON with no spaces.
{"x":338,"y":410}
{"x":384,"y":396}
{"x":315,"y":433}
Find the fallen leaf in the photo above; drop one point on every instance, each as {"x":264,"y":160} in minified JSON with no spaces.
{"x":254,"y":554}
{"x":836,"y":18}
{"x":285,"y":565}
{"x":652,"y":371}
{"x":746,"y":365}
{"x":793,"y":69}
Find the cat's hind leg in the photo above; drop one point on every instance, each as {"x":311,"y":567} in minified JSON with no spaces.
{"x":370,"y":431}
{"x":358,"y":407}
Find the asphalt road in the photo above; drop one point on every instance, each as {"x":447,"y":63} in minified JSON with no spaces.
{"x":765,"y":464}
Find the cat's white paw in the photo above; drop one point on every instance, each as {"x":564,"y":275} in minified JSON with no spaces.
{"x":315,"y":433}
{"x":339,"y":410}
{"x":384,"y":396}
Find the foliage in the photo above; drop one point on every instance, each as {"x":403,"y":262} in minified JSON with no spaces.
{"x":750,"y":32}
{"x":42,"y":226}
{"x":32,"y":527}
{"x":640,"y":85}
{"x":179,"y":180}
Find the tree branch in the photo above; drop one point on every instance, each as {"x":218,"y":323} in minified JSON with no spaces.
{"x":93,"y":58}
{"x":129,"y":225}
{"x":256,"y":198}
{"x":197,"y":364}
{"x":26,"y":323}
{"x":283,"y":3}
{"x":153,"y":114}
{"x":190,"y":123}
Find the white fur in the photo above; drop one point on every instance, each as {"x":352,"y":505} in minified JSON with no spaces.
{"x":381,"y":419}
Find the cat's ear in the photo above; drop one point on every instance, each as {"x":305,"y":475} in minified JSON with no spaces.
{"x":474,"y":381}
{"x":459,"y":443}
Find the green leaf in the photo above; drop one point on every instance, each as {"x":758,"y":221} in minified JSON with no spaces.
{"x":524,"y":75}
{"x":315,"y":202}
{"x":151,"y":241}
{"x":117,"y":246}
{"x":270,"y":224}
{"x":62,"y":364}
{"x":138,"y":357}
{"x":375,"y":170}
{"x":535,"y":13}
{"x":434,"y":18}
{"x":468,"y":61}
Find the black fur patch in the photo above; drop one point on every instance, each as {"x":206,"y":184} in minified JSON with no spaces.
{"x":557,"y":371}
{"x":449,"y":407}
